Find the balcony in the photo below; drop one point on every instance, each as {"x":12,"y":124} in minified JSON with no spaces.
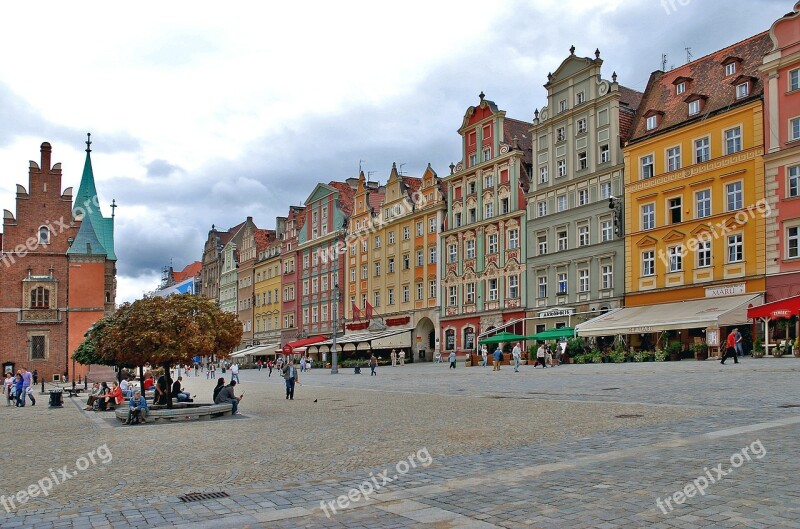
{"x":38,"y":316}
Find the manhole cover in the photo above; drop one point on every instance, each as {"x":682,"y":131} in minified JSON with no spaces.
{"x":201,"y":496}
{"x":789,"y":406}
{"x":628,"y":416}
{"x":608,"y":389}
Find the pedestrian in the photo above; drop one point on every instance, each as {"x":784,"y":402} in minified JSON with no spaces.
{"x":35,"y":377}
{"x":258,"y":364}
{"x":196,"y":369}
{"x":8,"y":384}
{"x":516,"y":354}
{"x":302,"y":364}
{"x":212,"y":367}
{"x":373,"y":363}
{"x":308,"y":364}
{"x":739,"y":346}
{"x":291,"y":377}
{"x":270,"y":365}
{"x":498,"y":356}
{"x":541,"y":356}
{"x":393,"y":356}
{"x":452,"y":359}
{"x":27,"y":383}
{"x":730,"y":347}
{"x":19,"y":393}
{"x":402,"y":357}
{"x":235,"y":372}
{"x":485,"y":356}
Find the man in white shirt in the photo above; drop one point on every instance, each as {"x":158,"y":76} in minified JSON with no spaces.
{"x":235,"y":373}
{"x":516,"y":354}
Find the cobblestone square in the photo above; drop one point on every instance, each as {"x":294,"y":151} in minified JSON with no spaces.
{"x":573,"y":446}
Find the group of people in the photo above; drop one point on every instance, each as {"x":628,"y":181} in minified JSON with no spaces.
{"x":18,"y":387}
{"x":395,"y":357}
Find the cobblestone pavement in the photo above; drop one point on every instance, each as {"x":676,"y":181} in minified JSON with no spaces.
{"x":574,"y":446}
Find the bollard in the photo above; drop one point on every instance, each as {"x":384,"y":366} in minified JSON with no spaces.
{"x":42,"y":386}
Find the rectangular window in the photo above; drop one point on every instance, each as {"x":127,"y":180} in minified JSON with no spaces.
{"x":391,"y":265}
{"x":420,"y":230}
{"x":391,"y":237}
{"x":504,"y":207}
{"x":742,"y":90}
{"x":542,"y":283}
{"x":562,"y":240}
{"x":432,"y":255}
{"x":513,"y":239}
{"x":472,"y":215}
{"x":646,"y":169}
{"x":470,"y":289}
{"x":605,"y":154}
{"x":452,"y":253}
{"x":735,"y":248}
{"x":730,"y":69}
{"x":432,"y":225}
{"x":648,"y":216}
{"x":649,"y":263}
{"x":562,"y":282}
{"x":487,"y":154}
{"x":652,"y":122}
{"x":420,"y":258}
{"x":694,"y":107}
{"x":471,"y":187}
{"x":607,"y":277}
{"x":470,"y":244}
{"x":680,"y":88}
{"x":513,"y":287}
{"x":473,"y":159}
{"x":673,"y":159}
{"x":314,"y":315}
{"x":376,"y":298}
{"x":493,"y":292}
{"x":488,"y":181}
{"x":314,"y":286}
{"x":703,"y":203}
{"x":735,"y":195}
{"x":675,"y":211}
{"x":390,"y":296}
{"x":377,"y":241}
{"x":493,"y":243}
{"x":582,"y":161}
{"x":406,"y":262}
{"x":581,"y":126}
{"x":583,"y":280}
{"x":452,"y":297}
{"x":733,"y":140}
{"x":606,"y":230}
{"x":305,"y":316}
{"x":364,"y":272}
{"x":675,"y":254}
{"x":420,"y":292}
{"x":489,"y":210}
{"x":580,"y":97}
{"x":605,"y":190}
{"x":794,"y":80}
{"x":562,"y":105}
{"x":432,"y":289}
{"x":561,"y":166}
{"x":543,"y":176}
{"x":377,"y":268}
{"x":406,"y":233}
{"x":364,"y":246}
{"x":583,"y":235}
{"x":38,"y":347}
{"x":792,"y":242}
{"x":561,"y":203}
{"x":457,"y":219}
{"x":583,"y":197}
{"x":542,"y":244}
{"x":794,"y":129}
{"x":794,"y":181}
{"x":542,"y":207}
{"x":305,"y":287}
{"x":702,"y":150}
{"x":324,"y":315}
{"x":703,"y":254}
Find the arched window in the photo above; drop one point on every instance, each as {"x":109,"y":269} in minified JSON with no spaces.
{"x":469,"y":338}
{"x":40,"y":298}
{"x":44,"y":235}
{"x":450,"y":340}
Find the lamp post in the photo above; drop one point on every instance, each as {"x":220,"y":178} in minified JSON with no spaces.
{"x":334,"y":354}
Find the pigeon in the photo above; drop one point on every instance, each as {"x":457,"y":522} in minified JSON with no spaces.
{"x":315,"y":400}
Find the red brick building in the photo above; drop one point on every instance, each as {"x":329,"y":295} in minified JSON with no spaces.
{"x":58,"y":271}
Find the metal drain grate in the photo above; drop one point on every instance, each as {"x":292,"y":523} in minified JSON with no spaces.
{"x":628,"y":416}
{"x":202,"y":496}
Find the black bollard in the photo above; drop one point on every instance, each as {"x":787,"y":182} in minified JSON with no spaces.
{"x":42,"y":386}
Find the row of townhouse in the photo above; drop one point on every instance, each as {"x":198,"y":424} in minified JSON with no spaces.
{"x":608,"y":200}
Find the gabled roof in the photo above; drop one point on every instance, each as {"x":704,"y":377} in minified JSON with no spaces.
{"x":263,"y":238}
{"x":226,"y":236}
{"x":190,"y":270}
{"x":346,"y":196}
{"x":519,"y":129}
{"x":412,"y":183}
{"x":708,"y":79}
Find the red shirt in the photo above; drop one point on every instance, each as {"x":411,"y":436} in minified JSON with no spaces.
{"x":148,"y":383}
{"x":731,"y":341}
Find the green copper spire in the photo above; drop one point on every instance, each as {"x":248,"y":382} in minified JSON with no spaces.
{"x":100,"y":231}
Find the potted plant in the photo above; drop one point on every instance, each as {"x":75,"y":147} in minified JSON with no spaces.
{"x":700,"y":351}
{"x":674,"y":351}
{"x":638,"y":356}
{"x":580,"y":359}
{"x":617,"y":357}
{"x":660,"y":356}
{"x":758,"y":349}
{"x":796,"y":349}
{"x":596,"y":356}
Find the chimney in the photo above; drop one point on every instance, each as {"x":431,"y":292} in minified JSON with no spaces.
{"x":45,"y":150}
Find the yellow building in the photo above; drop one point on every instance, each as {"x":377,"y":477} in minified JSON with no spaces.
{"x":694,"y":199}
{"x":267,"y":295}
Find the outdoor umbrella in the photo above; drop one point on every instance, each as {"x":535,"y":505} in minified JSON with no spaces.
{"x":553,"y":334}
{"x":502,"y":337}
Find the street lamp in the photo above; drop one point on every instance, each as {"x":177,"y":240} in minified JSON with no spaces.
{"x":334,"y":354}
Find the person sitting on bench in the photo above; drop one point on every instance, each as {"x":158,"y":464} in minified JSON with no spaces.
{"x":102,"y":399}
{"x":137,"y":410}
{"x":113,"y":399}
{"x":178,"y":392}
{"x":93,"y":396}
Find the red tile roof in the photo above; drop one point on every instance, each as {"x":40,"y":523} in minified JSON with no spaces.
{"x":263,"y":238}
{"x":191,"y":270}
{"x":226,"y":236}
{"x":709,"y":82}
{"x":520,"y":129}
{"x":346,"y":196}
{"x":375,"y":200}
{"x":412,"y":183}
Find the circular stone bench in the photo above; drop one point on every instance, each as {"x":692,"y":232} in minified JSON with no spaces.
{"x":184,"y":411}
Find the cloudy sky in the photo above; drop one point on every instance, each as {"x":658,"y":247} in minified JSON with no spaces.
{"x":204,"y":115}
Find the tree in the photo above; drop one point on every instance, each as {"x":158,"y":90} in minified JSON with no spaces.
{"x":163,"y":331}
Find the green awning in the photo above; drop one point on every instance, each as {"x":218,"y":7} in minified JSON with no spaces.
{"x":553,"y":334}
{"x":502,"y":337}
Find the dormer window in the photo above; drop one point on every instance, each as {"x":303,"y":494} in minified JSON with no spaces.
{"x":652,"y":122}
{"x":730,"y":69}
{"x":695,"y":102}
{"x":730,"y":65}
{"x":652,"y":119}
{"x":694,"y":107}
{"x":742,"y":90}
{"x":680,"y":88}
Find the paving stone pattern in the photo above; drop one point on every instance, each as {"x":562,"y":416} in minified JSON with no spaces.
{"x":572,"y":446}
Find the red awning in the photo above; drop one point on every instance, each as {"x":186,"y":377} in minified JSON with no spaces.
{"x":301,"y":343}
{"x":782,"y":308}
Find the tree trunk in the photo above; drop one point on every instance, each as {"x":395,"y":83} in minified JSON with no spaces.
{"x":168,"y":383}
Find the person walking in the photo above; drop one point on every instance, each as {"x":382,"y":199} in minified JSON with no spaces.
{"x":393,"y":356}
{"x":516,"y":353}
{"x":259,"y":364}
{"x":730,"y":347}
{"x":290,"y":376}
{"x":302,"y":364}
{"x":8,"y":383}
{"x":452,"y":359}
{"x":485,"y":356}
{"x":498,"y":356}
{"x":35,"y":377}
{"x":373,"y":363}
{"x":402,"y":357}
{"x":212,"y":368}
{"x":739,"y":346}
{"x":541,"y":356}
{"x":270,"y":365}
{"x":235,"y":372}
{"x":27,"y":383}
{"x":19,"y":393}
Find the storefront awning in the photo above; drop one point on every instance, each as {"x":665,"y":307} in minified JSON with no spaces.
{"x":298,"y":346}
{"x":701,"y":313}
{"x":400,"y":338}
{"x":782,"y":308}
